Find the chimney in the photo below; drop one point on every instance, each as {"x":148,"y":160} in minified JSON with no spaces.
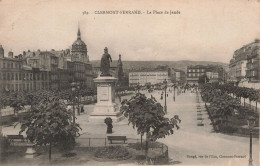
{"x":10,"y":54}
{"x":20,"y":56}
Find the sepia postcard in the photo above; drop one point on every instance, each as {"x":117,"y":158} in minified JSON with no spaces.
{"x":129,"y":82}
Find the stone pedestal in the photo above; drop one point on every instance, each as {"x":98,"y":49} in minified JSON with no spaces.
{"x":30,"y":152}
{"x":105,"y":106}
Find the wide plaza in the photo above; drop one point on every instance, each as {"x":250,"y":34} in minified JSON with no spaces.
{"x":191,"y":144}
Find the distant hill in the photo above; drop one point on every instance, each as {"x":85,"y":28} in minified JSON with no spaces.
{"x":182,"y":65}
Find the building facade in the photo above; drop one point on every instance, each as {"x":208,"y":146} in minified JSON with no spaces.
{"x":194,"y":72}
{"x":178,"y":76}
{"x":49,"y":70}
{"x":215,"y":73}
{"x":253,"y":63}
{"x":10,"y":73}
{"x":148,"y":76}
{"x":245,"y":63}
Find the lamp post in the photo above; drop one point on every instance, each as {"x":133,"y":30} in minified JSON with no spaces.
{"x":165,"y":88}
{"x":73,"y":88}
{"x":174,"y":92}
{"x":251,"y":124}
{"x":138,"y":87}
{"x":78,"y":87}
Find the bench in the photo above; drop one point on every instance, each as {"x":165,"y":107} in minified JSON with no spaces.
{"x":12,"y":138}
{"x":118,"y":138}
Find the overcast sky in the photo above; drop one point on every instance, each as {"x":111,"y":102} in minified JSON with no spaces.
{"x":204,"y":31}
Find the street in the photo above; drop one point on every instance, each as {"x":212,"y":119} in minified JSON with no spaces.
{"x":192,"y":140}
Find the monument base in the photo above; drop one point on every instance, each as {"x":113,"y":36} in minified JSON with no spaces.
{"x":102,"y":111}
{"x":106,"y":106}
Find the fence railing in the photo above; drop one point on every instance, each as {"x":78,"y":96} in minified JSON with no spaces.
{"x":101,"y":141}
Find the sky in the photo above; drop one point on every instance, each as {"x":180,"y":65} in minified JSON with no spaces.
{"x":203,"y":31}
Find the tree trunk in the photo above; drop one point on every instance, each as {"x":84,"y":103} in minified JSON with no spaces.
{"x":256,"y":106}
{"x":50,"y":151}
{"x":146,"y":147}
{"x":141,"y":142}
{"x":244,"y":102}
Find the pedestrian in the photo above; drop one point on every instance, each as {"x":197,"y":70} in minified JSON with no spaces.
{"x":82,"y":109}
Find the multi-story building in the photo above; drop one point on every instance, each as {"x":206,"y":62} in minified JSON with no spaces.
{"x":253,"y":62}
{"x":88,"y":75}
{"x":178,"y":76}
{"x":215,"y":73}
{"x":82,"y":68}
{"x":238,"y":64}
{"x":10,"y":73}
{"x":35,"y":70}
{"x":149,"y":76}
{"x":212,"y":75}
{"x":194,"y":72}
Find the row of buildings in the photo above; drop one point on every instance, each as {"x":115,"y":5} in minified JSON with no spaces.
{"x":245,"y":63}
{"x":156,"y":76}
{"x":49,"y":70}
{"x":214,"y":73}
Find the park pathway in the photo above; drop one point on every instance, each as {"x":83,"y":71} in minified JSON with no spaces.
{"x":192,"y":141}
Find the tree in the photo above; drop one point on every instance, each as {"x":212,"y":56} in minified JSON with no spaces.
{"x":147,"y":116}
{"x":203,"y":79}
{"x":223,"y":107}
{"x":50,"y":123}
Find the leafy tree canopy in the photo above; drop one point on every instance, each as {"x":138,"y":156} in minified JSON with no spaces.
{"x":147,"y":115}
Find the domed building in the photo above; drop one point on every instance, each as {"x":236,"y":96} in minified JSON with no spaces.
{"x":79,"y":50}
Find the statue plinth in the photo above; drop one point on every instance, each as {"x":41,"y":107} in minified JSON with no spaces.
{"x":105,"y":106}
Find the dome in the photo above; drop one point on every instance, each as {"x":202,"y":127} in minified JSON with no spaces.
{"x":78,"y":42}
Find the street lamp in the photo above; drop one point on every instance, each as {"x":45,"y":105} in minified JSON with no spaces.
{"x":251,"y":124}
{"x":165,"y":88}
{"x":174,"y":92}
{"x":78,"y":97}
{"x":73,"y":88}
{"x":138,"y":87}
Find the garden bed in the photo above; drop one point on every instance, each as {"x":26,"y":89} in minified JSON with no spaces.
{"x":112,"y":153}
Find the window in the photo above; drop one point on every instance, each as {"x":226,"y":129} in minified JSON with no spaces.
{"x":4,"y":65}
